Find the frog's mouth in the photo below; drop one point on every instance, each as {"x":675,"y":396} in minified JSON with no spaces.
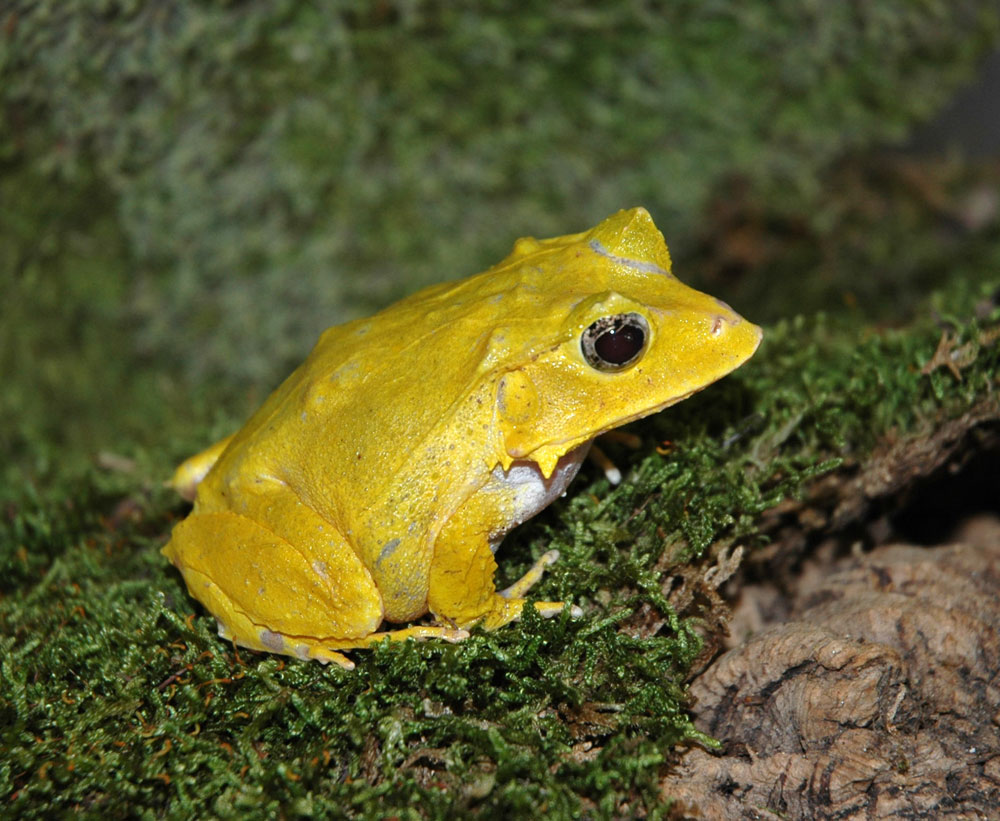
{"x":571,"y":444}
{"x":728,"y":369}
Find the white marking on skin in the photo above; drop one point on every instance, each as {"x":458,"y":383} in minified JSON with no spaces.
{"x":387,"y":550}
{"x":272,"y":641}
{"x":302,"y":651}
{"x":320,"y":569}
{"x":527,"y":492}
{"x":638,"y":265}
{"x":343,"y":371}
{"x":717,"y":326}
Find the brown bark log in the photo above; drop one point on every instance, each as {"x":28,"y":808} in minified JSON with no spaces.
{"x":879,"y":698}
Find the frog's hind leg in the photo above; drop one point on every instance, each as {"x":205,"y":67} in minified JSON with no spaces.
{"x":325,"y":650}
{"x":192,"y":470}
{"x":243,"y":632}
{"x":306,"y":600}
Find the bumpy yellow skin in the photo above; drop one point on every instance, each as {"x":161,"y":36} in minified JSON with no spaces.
{"x":375,"y":482}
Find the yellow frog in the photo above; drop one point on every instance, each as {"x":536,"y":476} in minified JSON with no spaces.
{"x":376,"y":483}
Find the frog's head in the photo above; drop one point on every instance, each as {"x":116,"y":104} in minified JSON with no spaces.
{"x":627,"y":338}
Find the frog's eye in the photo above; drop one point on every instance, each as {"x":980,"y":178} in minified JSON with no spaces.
{"x":615,"y":342}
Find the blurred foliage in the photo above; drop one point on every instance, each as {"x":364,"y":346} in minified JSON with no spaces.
{"x":270,"y":168}
{"x":190,"y":192}
{"x":896,"y":228}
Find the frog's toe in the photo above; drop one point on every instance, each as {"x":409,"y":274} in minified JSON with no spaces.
{"x":267,"y":641}
{"x":548,"y":609}
{"x":532,"y":577}
{"x":419,"y":631}
{"x":324,"y":656}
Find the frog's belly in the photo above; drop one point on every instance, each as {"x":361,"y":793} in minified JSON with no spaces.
{"x":522,"y":491}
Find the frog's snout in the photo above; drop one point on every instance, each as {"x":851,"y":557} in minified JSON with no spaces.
{"x":728,"y":328}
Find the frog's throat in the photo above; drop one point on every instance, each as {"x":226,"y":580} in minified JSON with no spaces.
{"x":527,"y":489}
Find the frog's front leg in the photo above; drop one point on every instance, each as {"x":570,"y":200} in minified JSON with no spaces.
{"x":462,"y":589}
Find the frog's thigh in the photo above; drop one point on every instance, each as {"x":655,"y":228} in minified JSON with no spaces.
{"x":462,"y":589}
{"x":269,"y":594}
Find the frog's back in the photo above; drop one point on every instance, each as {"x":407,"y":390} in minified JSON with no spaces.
{"x":408,"y":393}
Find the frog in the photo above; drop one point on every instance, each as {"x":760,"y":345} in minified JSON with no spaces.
{"x":374,"y":486}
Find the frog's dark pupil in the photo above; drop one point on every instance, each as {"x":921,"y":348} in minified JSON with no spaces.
{"x":615,"y":342}
{"x":618,"y":345}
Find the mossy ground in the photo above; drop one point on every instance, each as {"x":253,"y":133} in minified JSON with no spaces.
{"x":118,"y":696}
{"x":146,"y":258}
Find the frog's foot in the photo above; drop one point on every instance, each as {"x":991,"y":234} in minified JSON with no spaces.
{"x":548,"y":609}
{"x":507,"y":610}
{"x":510,"y":602}
{"x":325,"y":650}
{"x":419,"y":631}
{"x":324,"y":656}
{"x":301,"y":647}
{"x":532,"y":577}
{"x":603,"y":461}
